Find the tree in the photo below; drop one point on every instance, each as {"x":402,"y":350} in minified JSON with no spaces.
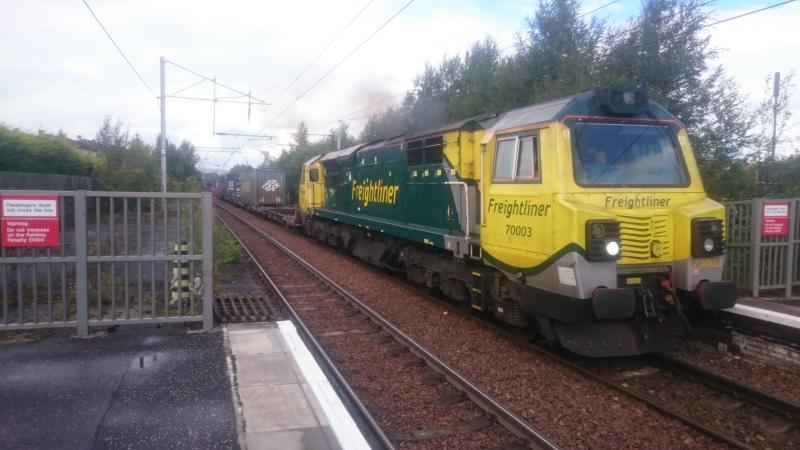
{"x":182,"y":173}
{"x":240,"y":169}
{"x":722,"y":140}
{"x":342,"y":134}
{"x":560,"y":54}
{"x":765,"y":115}
{"x":301,"y":137}
{"x":665,"y":51}
{"x":778,"y":177}
{"x":392,"y":122}
{"x":131,"y":164}
{"x":299,"y":152}
{"x":480,"y":87}
{"x":41,"y":153}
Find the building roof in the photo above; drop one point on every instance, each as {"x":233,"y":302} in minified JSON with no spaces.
{"x":87,"y":145}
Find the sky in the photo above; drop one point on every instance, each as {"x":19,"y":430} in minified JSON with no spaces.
{"x":61,"y":72}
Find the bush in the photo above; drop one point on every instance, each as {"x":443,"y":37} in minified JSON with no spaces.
{"x":226,"y":247}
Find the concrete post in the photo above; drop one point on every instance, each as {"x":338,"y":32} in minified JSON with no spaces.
{"x":81,"y":269}
{"x":755,"y":245}
{"x":208,"y":260}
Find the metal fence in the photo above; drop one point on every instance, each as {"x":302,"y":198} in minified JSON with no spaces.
{"x":49,"y":181}
{"x":122,"y":258}
{"x":759,"y":258}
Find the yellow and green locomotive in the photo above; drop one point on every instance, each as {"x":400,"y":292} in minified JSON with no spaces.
{"x":584,"y":218}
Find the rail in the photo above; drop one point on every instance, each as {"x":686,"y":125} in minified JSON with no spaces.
{"x":503,"y":415}
{"x":378,"y":435}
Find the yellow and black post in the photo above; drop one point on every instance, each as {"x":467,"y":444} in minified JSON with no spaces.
{"x":180,"y":276}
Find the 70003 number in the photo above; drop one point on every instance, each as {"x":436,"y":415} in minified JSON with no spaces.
{"x":519,"y":230}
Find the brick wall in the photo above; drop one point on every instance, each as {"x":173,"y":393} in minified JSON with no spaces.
{"x":765,"y":349}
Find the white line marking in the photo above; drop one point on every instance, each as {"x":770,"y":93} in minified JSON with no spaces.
{"x":766,"y":315}
{"x":345,"y":429}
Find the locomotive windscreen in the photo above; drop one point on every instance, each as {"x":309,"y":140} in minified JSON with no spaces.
{"x":614,"y":154}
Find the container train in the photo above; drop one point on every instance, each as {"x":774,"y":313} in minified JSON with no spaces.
{"x":259,"y":190}
{"x":583,"y":219}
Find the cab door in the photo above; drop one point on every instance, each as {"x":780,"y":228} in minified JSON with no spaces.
{"x":311,"y":192}
{"x":316,"y":183}
{"x":302,"y":190}
{"x":516,"y":228}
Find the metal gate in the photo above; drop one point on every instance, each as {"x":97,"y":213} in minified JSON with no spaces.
{"x":759,"y":260}
{"x":122,"y":258}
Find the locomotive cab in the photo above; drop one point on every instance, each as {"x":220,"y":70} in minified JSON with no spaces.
{"x":594,"y":207}
{"x":311,"y":190}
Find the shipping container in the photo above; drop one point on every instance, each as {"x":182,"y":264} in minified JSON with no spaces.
{"x":263,"y":187}
{"x":270,"y":187}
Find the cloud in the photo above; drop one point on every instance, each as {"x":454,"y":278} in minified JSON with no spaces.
{"x":60,"y":70}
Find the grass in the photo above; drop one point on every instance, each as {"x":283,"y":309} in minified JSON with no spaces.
{"x":226,"y":247}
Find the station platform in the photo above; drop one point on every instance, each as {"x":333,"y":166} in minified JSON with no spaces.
{"x":784,"y":312}
{"x":137,"y":386}
{"x":284,"y":398}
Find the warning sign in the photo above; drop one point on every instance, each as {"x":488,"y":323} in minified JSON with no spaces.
{"x":29,"y":221}
{"x":775,"y":220}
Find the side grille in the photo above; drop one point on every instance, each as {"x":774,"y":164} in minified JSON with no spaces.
{"x":638,"y":234}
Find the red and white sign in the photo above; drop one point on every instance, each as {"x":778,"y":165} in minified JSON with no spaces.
{"x":29,"y":221}
{"x":775,"y":219}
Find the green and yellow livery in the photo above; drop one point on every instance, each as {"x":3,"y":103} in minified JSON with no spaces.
{"x":584,"y":218}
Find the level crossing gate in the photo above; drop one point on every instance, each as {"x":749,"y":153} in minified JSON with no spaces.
{"x":763,"y":244}
{"x":118,"y":258}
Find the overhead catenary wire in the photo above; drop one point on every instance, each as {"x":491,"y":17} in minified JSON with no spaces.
{"x":321,"y":52}
{"x":341,"y":61}
{"x":349,"y":116}
{"x":596,"y":9}
{"x":213,"y":80}
{"x":623,"y":31}
{"x":615,"y":34}
{"x":186,"y":88}
{"x":120,"y":50}
{"x":674,"y":36}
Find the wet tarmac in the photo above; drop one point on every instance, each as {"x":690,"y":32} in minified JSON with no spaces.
{"x":141,"y":387}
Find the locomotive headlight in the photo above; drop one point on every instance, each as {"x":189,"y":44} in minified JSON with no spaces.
{"x":655,"y":248}
{"x":602,"y":240}
{"x":598,"y":230}
{"x":715,"y":227}
{"x":707,"y":237}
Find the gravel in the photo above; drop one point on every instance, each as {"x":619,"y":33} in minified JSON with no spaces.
{"x":415,"y":407}
{"x":775,"y":380}
{"x":568,"y":408}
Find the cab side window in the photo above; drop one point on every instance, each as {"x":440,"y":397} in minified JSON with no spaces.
{"x":528,"y":159}
{"x":313,"y":175}
{"x":517,"y":159}
{"x":504,"y":160}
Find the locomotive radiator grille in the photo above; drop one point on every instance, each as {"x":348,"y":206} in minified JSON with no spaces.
{"x":644,"y":239}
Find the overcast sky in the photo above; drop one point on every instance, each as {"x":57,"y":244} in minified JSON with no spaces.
{"x":60,"y":71}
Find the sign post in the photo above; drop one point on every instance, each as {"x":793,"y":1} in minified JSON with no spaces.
{"x":775,"y":219}
{"x":29,"y":221}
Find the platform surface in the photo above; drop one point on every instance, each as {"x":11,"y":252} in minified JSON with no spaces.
{"x":140,"y":387}
{"x":286,"y":402}
{"x":772,"y":311}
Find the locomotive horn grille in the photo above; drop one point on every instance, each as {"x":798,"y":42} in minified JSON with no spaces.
{"x":638,"y":234}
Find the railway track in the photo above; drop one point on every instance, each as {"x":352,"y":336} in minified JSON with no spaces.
{"x":734,"y":414}
{"x":443,"y":402}
{"x":730,"y":412}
